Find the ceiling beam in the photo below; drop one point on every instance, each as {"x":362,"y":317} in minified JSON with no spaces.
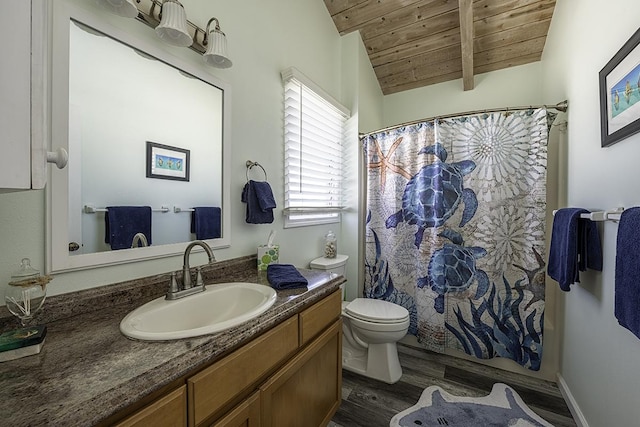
{"x":466,"y":39}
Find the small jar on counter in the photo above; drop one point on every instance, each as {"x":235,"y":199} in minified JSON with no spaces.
{"x":330,"y":245}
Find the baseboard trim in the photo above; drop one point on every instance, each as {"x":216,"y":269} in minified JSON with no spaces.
{"x":578,"y":417}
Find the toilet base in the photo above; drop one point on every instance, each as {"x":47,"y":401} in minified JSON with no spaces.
{"x":379,"y":361}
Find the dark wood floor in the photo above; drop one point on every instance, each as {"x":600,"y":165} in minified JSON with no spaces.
{"x":370,"y":403}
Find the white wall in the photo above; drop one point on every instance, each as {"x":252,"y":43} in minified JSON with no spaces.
{"x":517,"y":86}
{"x":600,"y":359}
{"x":263,"y":38}
{"x":364,"y":97}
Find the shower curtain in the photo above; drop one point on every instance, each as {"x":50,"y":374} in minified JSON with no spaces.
{"x":455,"y":230}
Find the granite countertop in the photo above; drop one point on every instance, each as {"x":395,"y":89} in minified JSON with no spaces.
{"x":87,"y":370}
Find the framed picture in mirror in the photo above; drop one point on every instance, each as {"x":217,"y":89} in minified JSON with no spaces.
{"x":166,"y":162}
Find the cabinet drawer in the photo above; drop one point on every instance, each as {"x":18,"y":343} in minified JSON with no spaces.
{"x":169,"y":410}
{"x":214,"y":387}
{"x":317,"y":317}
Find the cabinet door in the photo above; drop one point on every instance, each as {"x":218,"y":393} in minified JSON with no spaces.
{"x":246,"y":414}
{"x":15,"y":102}
{"x":170,"y":411}
{"x":307,"y":391}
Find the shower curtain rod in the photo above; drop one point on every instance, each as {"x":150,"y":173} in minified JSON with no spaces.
{"x":560,"y":106}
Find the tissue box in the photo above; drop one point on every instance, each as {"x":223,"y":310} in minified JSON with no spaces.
{"x":267,"y":255}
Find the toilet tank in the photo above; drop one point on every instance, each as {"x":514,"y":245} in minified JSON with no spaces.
{"x":331,"y":265}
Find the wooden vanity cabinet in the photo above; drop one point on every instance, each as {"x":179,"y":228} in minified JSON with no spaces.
{"x":290,"y":376}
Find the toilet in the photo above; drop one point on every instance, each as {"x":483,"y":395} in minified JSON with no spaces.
{"x":370,"y":330}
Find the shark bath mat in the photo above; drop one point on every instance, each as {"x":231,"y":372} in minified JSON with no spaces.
{"x":501,"y":408}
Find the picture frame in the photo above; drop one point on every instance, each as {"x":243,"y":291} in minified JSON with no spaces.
{"x":620,"y":93}
{"x":167,"y":162}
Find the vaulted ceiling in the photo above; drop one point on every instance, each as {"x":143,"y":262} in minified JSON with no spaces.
{"x":415,"y":43}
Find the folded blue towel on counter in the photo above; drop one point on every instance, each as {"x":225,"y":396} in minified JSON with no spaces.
{"x":205,"y":222}
{"x":124,"y":222}
{"x":285,"y":276}
{"x":575,"y":246}
{"x":627,"y":297}
{"x":260,"y":202}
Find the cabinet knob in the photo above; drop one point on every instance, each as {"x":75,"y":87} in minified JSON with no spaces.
{"x":60,"y":157}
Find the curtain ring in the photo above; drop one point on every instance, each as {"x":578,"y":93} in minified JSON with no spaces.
{"x":250,"y":165}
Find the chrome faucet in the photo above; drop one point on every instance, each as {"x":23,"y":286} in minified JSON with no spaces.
{"x":138,"y":239}
{"x":187,"y":287}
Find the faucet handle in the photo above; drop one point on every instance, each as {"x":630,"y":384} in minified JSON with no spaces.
{"x":173,"y":287}
{"x":199,"y":281}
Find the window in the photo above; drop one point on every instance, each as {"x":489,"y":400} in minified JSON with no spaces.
{"x":313,"y":133}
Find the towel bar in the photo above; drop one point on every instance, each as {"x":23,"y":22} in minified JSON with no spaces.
{"x":90,"y":209}
{"x":610,"y":215}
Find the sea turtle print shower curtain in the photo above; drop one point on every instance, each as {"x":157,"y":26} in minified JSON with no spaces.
{"x":455,"y":230}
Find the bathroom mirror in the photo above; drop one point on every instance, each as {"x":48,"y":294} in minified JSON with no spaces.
{"x":142,"y":128}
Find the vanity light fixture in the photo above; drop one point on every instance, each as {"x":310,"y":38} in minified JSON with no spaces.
{"x":216,"y":42}
{"x":173,"y":24}
{"x":124,"y":8}
{"x":169,"y":20}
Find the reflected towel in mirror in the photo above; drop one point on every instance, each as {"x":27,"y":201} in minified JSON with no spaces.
{"x":122,"y":223}
{"x":205,"y":222}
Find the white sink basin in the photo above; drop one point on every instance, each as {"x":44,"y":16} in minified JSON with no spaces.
{"x":219,"y":307}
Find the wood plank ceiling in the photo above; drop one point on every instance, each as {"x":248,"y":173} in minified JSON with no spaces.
{"x":416,"y":43}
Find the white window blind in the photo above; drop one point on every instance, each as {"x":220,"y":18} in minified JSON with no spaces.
{"x":313,"y":134}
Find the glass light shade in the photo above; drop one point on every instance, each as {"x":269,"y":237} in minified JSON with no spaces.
{"x":216,"y":54}
{"x":173,"y":25}
{"x":124,"y":8}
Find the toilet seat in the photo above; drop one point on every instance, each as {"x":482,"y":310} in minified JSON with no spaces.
{"x":376,"y":311}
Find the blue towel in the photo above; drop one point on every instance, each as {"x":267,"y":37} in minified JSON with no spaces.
{"x":256,"y":195}
{"x":575,"y":246}
{"x":264,"y":195}
{"x":285,"y":276}
{"x":205,"y":222}
{"x":627,"y":299}
{"x":124,"y":222}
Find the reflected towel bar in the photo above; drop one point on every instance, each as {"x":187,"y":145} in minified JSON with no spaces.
{"x":177,"y":209}
{"x":89,"y":209}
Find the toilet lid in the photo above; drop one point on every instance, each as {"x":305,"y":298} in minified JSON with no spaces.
{"x":375,"y":310}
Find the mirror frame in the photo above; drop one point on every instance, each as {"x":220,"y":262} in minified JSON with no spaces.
{"x":58,"y":258}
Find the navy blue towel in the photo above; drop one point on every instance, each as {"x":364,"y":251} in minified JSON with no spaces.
{"x":260,"y":202}
{"x":285,"y":276}
{"x":205,"y":222}
{"x":627,"y":299}
{"x":575,"y":246}
{"x":124,"y":222}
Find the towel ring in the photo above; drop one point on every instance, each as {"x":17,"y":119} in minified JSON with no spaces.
{"x":250,"y":165}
